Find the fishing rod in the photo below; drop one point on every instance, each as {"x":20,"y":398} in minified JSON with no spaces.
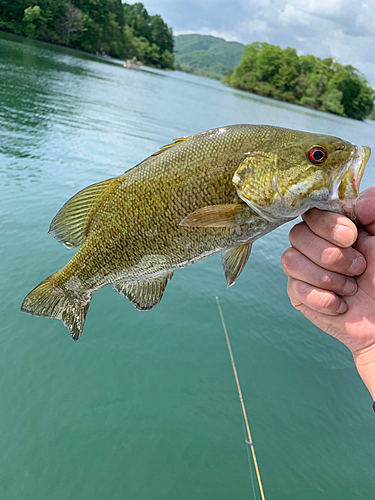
{"x":250,"y":441}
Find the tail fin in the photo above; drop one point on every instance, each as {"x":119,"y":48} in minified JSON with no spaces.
{"x":51,"y":302}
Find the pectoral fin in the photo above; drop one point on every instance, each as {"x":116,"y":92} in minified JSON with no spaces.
{"x":234,"y":260}
{"x":226,"y":215}
{"x":143,"y":294}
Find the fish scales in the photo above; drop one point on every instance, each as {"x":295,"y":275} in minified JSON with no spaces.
{"x":215,"y":191}
{"x":154,"y":225}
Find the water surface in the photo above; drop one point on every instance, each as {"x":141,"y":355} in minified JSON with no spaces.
{"x":145,"y":406}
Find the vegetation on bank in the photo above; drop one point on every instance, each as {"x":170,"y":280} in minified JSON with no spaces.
{"x":206,"y":55}
{"x":102,"y":26}
{"x":109,"y":27}
{"x":322,"y":84}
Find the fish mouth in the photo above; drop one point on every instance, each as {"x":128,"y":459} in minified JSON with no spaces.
{"x":359,"y":162}
{"x":346,"y":185}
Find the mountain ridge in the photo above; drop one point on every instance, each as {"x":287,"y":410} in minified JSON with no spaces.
{"x":206,"y":55}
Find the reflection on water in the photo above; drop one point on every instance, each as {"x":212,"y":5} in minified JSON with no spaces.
{"x":144,"y":405}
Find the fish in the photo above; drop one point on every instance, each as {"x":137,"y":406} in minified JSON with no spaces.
{"x":213,"y":192}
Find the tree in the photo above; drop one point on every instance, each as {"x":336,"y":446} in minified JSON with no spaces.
{"x":71,"y":21}
{"x":152,"y":38}
{"x":357,"y":96}
{"x":332,"y":101}
{"x":31,"y":14}
{"x":307,"y":80}
{"x":105,"y":26}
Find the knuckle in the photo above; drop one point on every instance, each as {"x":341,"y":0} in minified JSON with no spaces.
{"x":327,"y":281}
{"x":292,"y":289}
{"x":327,"y":301}
{"x":333,"y":282}
{"x":311,"y":215}
{"x":333,"y":257}
{"x":296,"y":232}
{"x":325,"y":220}
{"x":301,"y":289}
{"x":288,"y":259}
{"x":323,"y":223}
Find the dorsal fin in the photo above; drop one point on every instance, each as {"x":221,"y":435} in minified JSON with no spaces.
{"x":70,"y":223}
{"x":167,"y":146}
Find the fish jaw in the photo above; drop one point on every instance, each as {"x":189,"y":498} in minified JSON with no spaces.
{"x":345,"y":185}
{"x":363,"y":156}
{"x":345,"y":188}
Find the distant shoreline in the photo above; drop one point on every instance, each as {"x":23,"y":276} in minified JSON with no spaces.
{"x":103,"y":57}
{"x":191,"y":70}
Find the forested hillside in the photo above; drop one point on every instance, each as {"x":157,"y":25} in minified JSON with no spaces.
{"x":307,"y":80}
{"x":102,"y":26}
{"x":206,"y":55}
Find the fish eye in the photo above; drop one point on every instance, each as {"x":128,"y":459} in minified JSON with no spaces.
{"x":317,"y":154}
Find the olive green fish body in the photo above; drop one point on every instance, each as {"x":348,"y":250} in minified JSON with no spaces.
{"x":137,"y":223}
{"x":215,"y":191}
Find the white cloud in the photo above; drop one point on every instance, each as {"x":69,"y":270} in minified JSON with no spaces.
{"x":340,"y":28}
{"x":256,"y":28}
{"x":291,"y":14}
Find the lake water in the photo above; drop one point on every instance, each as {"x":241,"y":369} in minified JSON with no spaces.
{"x":145,"y":405}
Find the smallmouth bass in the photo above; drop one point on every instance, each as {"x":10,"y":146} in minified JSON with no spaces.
{"x":215,"y":191}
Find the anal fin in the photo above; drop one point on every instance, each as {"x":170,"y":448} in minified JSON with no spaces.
{"x":234,"y":261}
{"x":144,"y":294}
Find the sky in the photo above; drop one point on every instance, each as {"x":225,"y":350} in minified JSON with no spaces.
{"x":343,"y":29}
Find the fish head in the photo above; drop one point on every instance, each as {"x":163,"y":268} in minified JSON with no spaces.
{"x":311,"y":171}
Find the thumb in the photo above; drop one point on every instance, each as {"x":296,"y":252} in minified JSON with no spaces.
{"x":365,"y":244}
{"x":365,"y":209}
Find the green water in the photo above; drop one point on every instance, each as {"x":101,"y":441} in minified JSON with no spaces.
{"x":145,"y":406}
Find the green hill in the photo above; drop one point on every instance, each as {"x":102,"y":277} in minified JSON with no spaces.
{"x":206,"y":55}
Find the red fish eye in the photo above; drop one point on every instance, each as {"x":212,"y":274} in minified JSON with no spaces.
{"x":317,"y":155}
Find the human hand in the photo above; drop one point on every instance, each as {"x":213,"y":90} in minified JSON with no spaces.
{"x":331,"y":270}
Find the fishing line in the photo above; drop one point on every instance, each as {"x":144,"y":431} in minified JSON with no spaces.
{"x":249,"y":461}
{"x":250,"y":441}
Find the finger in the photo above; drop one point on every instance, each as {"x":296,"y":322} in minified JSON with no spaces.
{"x":365,"y":209}
{"x":299,"y":267}
{"x":335,"y":228}
{"x":331,"y":257}
{"x":364,"y":238}
{"x":325,"y":322}
{"x":314,"y":298}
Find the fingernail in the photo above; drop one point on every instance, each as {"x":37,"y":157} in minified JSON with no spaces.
{"x":343,"y":307}
{"x":343,"y":235}
{"x":358,"y":266}
{"x":350,"y":287}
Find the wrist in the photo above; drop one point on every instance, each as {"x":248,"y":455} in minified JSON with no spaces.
{"x":365,"y":364}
